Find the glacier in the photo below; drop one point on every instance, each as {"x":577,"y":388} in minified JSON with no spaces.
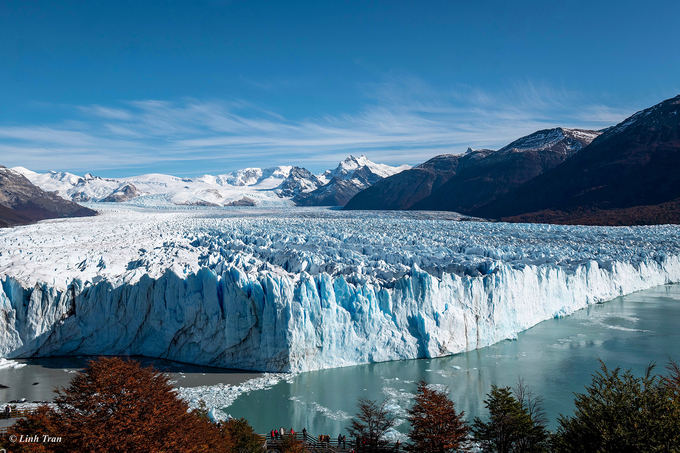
{"x":291,"y":290}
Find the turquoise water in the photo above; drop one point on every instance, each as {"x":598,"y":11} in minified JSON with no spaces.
{"x":555,"y":358}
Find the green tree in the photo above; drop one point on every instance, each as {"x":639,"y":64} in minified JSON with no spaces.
{"x":370,"y":425}
{"x":510,"y":428}
{"x":623,"y":413}
{"x":436,"y":427}
{"x":536,"y":437}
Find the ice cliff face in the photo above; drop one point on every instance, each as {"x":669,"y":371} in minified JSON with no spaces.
{"x":297,"y":290}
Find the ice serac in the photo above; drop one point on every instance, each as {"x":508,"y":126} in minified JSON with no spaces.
{"x":279,"y":302}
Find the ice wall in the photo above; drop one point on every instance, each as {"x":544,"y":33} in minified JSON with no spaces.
{"x":222,"y":315}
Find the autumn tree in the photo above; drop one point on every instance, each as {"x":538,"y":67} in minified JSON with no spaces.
{"x":116,"y":405}
{"x":370,"y":425}
{"x":39,"y":423}
{"x":436,"y":427}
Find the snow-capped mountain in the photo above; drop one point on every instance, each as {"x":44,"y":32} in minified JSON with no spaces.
{"x":345,"y":169}
{"x":483,"y":176}
{"x":559,"y":139}
{"x":404,"y":189}
{"x":274,"y":186}
{"x":350,"y":177}
{"x":159,"y":189}
{"x":299,"y":180}
{"x":72,"y":187}
{"x":626,"y":174}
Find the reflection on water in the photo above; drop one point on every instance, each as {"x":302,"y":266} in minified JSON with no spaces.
{"x":555,"y":358}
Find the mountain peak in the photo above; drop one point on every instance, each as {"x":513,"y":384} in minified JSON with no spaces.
{"x":352,"y":162}
{"x":478,"y":153}
{"x":23,"y":170}
{"x":345,"y":169}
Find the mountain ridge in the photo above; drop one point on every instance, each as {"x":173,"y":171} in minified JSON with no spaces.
{"x":632,"y":164}
{"x":272,"y":186}
{"x":464,"y":181}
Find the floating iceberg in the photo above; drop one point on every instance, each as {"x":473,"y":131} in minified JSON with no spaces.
{"x":292,"y":290}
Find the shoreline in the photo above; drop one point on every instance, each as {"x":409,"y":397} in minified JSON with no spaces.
{"x":36,"y":378}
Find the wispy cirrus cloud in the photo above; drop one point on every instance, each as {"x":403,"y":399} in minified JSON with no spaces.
{"x":107,"y":112}
{"x":47,"y":135}
{"x":404,"y":120}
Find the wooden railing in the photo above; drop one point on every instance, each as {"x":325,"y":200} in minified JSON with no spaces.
{"x":17,"y":413}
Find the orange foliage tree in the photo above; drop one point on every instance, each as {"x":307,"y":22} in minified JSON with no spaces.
{"x":115,"y":405}
{"x":436,"y":427}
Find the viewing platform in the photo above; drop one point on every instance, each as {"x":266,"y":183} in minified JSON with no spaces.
{"x":316,"y":445}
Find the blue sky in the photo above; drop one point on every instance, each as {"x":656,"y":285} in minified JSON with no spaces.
{"x":120,"y":88}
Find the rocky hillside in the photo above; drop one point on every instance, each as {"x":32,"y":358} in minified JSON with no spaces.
{"x":494,"y":174}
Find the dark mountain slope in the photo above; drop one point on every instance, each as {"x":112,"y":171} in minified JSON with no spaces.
{"x":21,"y":202}
{"x":403,"y":190}
{"x":493,"y":175}
{"x":633,"y":164}
{"x":663,"y":213}
{"x":9,"y":217}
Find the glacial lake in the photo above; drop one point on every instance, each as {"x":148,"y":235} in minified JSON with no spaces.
{"x":36,"y":379}
{"x":555,"y":358}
